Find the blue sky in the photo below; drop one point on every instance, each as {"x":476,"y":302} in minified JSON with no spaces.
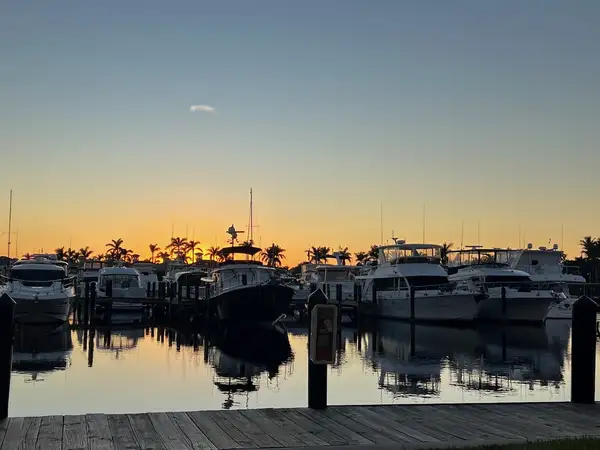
{"x":477,"y":109}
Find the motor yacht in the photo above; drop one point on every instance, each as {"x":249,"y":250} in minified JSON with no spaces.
{"x":478,"y":269}
{"x":402,"y":268}
{"x":41,"y":290}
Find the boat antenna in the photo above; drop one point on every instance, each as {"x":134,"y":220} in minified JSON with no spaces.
{"x":462,"y":234}
{"x":423,"y":223}
{"x":381,"y":221}
{"x":519,"y":231}
{"x":478,"y":230}
{"x":562,"y":235}
{"x":17,"y":244}
{"x":251,"y":224}
{"x":9,"y":223}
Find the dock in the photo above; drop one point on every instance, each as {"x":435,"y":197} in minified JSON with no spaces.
{"x":384,"y":426}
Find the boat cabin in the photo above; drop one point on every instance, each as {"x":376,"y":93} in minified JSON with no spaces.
{"x":401,"y":253}
{"x":121,"y":277}
{"x":37,"y":273}
{"x":233,"y":273}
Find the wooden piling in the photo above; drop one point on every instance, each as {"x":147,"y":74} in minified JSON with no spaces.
{"x":7,"y":322}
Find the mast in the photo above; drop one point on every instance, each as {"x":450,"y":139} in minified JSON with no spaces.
{"x":423,"y":223}
{"x":251,"y":223}
{"x":381,"y":221}
{"x":9,"y":223}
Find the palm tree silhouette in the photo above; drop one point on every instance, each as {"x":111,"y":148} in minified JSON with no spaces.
{"x":445,"y":248}
{"x":114,"y":248}
{"x":273,"y":255}
{"x":153,"y":249}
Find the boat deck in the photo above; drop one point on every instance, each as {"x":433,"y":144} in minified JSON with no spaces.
{"x":384,"y":426}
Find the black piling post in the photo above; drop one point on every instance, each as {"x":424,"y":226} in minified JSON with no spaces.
{"x":412,"y":303}
{"x":317,"y":373}
{"x":504,"y":306}
{"x":179,"y":292}
{"x":338,"y":294}
{"x":148,"y":290}
{"x":583,"y":351}
{"x":188,"y":291}
{"x":7,"y":320}
{"x":208,"y":311}
{"x":92,"y":301}
{"x":374,"y":293}
{"x":154,"y":289}
{"x":328,"y":291}
{"x":86,"y":304}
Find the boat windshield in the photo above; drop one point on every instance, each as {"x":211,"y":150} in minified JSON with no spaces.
{"x":120,"y":281}
{"x":400,"y":254}
{"x":332,"y":275}
{"x":424,"y":282}
{"x":37,"y":274}
{"x":474,"y":257}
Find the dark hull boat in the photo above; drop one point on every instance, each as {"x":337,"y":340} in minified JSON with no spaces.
{"x":246,"y":291}
{"x":263,"y":303}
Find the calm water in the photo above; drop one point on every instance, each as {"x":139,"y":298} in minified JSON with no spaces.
{"x":143,"y":370}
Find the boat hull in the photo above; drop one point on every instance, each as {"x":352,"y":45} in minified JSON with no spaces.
{"x":519,"y":308}
{"x":264,"y":303}
{"x":430,"y":307}
{"x":43,"y":310}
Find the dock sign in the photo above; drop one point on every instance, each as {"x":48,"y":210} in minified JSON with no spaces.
{"x":323,"y":334}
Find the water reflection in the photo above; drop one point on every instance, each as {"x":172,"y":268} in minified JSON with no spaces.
{"x":163,"y":369}
{"x":411,"y":359}
{"x":240,"y":356}
{"x":38,"y":349}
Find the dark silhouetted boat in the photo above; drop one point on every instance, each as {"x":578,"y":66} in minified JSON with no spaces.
{"x":245,"y":290}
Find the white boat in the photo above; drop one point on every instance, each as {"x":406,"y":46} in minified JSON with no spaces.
{"x":147,"y":274}
{"x":41,"y":290}
{"x":478,"y":270}
{"x":322,"y":275}
{"x":89,"y":274}
{"x":404,"y":267}
{"x":125,"y":284}
{"x":545,"y":266}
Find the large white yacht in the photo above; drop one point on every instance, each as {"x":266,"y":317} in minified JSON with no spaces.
{"x":41,"y":290}
{"x":546,"y":268}
{"x":478,"y":269}
{"x":404,"y":267}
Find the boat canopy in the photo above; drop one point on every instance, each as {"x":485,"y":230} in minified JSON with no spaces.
{"x":241,"y":249}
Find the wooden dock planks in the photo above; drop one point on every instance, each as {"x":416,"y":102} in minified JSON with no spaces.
{"x":394,"y":425}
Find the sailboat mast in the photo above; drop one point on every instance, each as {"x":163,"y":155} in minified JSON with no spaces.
{"x":251,"y":223}
{"x":9,"y":223}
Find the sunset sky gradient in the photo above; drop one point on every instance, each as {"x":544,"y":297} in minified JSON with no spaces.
{"x":481,"y":112}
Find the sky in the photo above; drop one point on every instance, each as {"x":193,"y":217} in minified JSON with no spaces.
{"x":462,"y":121}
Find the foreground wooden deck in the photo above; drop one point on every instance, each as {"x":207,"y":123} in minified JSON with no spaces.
{"x":384,"y":426}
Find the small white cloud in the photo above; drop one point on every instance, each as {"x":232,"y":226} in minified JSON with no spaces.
{"x":205,"y":108}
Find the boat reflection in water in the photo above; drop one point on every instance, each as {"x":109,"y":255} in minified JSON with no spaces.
{"x":40,"y":349}
{"x":411,"y":358}
{"x":240,"y":356}
{"x":118,"y":340}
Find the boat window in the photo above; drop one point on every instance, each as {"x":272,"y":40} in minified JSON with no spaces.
{"x":389,"y":284}
{"x":401,"y":254}
{"x":506,"y":280}
{"x":421,"y":282}
{"x":37,"y":274}
{"x":120,"y":281}
{"x":329,"y":275}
